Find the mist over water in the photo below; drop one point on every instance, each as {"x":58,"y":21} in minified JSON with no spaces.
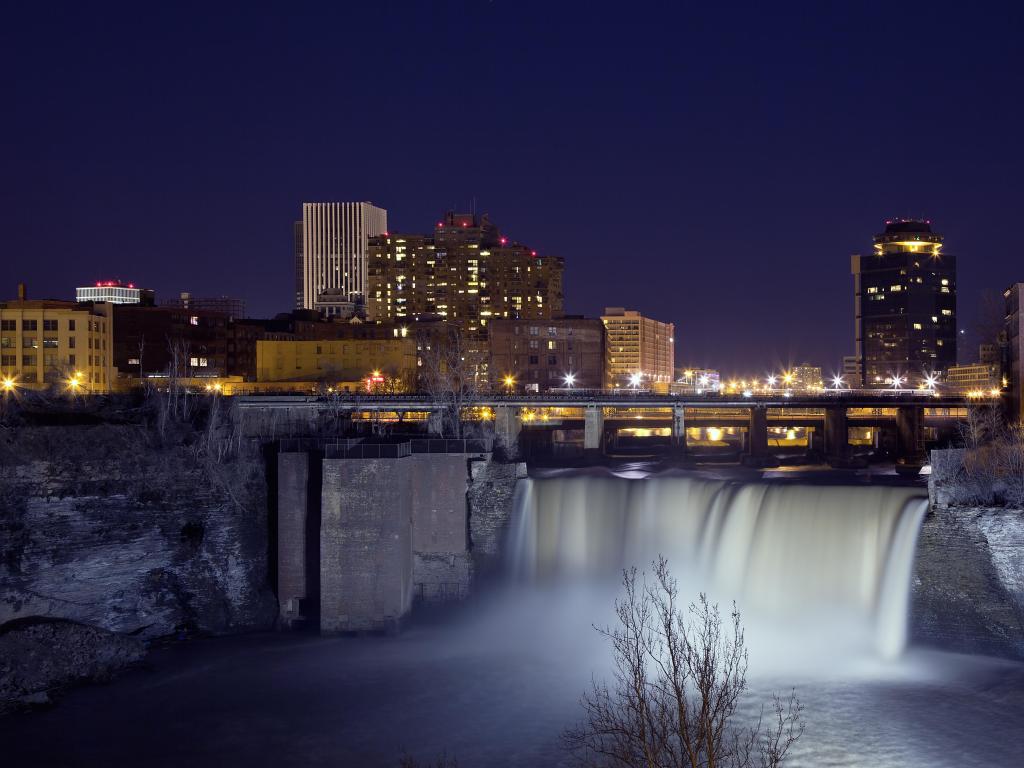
{"x":821,"y":575}
{"x":817,"y":570}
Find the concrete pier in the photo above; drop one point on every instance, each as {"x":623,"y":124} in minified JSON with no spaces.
{"x":508,"y":423}
{"x":365,"y":544}
{"x":679,"y":429}
{"x":593,"y":431}
{"x":837,"y":441}
{"x":292,"y":505}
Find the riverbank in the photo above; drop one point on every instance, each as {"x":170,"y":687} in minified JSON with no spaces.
{"x":477,"y":687}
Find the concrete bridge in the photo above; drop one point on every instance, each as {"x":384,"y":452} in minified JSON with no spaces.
{"x":831,"y":412}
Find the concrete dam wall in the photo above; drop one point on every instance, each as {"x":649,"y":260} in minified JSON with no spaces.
{"x":361,"y":539}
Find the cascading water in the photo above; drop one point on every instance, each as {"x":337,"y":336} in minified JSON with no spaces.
{"x":824,"y":568}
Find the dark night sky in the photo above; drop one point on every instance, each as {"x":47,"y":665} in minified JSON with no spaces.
{"x":712,"y":164}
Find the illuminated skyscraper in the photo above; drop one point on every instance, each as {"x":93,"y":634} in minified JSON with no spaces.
{"x":466,"y":273}
{"x":905,"y":305}
{"x":333,"y":251}
{"x":639,"y":351}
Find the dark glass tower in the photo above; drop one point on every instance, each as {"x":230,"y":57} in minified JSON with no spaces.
{"x":905,"y":305}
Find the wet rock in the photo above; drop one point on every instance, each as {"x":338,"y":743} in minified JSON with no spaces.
{"x":39,"y":656}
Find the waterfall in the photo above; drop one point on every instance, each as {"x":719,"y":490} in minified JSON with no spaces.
{"x":828,"y":566}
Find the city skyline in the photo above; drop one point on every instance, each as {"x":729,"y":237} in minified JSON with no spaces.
{"x":746,"y":168}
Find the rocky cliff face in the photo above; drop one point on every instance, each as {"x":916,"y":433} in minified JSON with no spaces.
{"x":38,"y":656}
{"x":102,"y":526}
{"x":968,"y":592}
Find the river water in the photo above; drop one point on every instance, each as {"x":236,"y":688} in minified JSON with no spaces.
{"x":821,"y":575}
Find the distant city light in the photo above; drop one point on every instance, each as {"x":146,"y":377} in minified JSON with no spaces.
{"x":570,"y":379}
{"x":838,"y":381}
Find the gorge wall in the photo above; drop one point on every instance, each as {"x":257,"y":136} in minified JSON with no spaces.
{"x":103,"y":529}
{"x":968,"y":588}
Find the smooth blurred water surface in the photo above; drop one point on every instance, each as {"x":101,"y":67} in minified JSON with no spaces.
{"x":494,"y":685}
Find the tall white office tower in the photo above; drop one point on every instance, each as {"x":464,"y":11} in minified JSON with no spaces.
{"x":334,"y":239}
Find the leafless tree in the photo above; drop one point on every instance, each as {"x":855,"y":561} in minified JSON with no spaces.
{"x":679,"y":677}
{"x":449,"y":378}
{"x":974,"y":481}
{"x":1010,"y":463}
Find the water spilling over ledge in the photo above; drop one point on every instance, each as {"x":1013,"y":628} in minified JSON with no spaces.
{"x":813,"y":569}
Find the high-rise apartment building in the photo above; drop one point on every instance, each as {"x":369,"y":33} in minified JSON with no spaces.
{"x":333,"y":249}
{"x":905,"y":304}
{"x":465,"y":272}
{"x":639,"y":351}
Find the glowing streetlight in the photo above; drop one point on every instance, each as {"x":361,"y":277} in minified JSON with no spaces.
{"x":704,"y":380}
{"x":770,"y":381}
{"x":930,"y":381}
{"x":569,"y":379}
{"x":838,"y":382}
{"x":8,"y":385}
{"x":510,"y":382}
{"x":896,"y":380}
{"x":787,"y":378}
{"x":635,"y":379}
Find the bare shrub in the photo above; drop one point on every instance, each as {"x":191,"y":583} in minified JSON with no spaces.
{"x":449,"y":378}
{"x":679,"y":677}
{"x":1010,"y":465}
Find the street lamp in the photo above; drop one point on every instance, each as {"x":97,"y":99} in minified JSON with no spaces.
{"x":569,"y":379}
{"x":930,"y":381}
{"x":896,"y":380}
{"x":510,"y":382}
{"x":837,"y":382}
{"x":770,"y":381}
{"x":8,"y":385}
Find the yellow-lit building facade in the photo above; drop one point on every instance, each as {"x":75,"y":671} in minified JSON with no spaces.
{"x":56,"y":344}
{"x":387,"y":363}
{"x":639,"y":351}
{"x":465,"y":273}
{"x":974,"y":379}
